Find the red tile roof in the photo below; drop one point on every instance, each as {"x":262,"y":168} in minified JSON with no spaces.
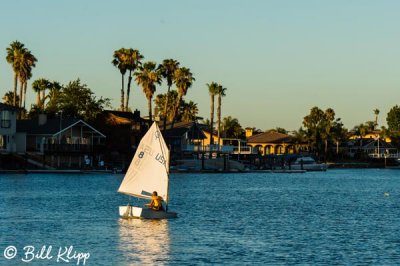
{"x":270,"y":137}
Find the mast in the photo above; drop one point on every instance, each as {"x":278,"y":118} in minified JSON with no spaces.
{"x":167,"y":169}
{"x":166,"y":164}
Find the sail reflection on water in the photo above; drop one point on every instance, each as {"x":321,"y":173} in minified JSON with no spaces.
{"x":144,"y":241}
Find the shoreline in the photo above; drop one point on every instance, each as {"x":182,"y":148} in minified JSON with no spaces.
{"x":287,"y":171}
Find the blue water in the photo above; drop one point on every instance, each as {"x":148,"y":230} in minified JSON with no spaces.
{"x":338,"y":217}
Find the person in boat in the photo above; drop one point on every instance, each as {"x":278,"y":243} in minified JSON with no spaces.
{"x":156,"y":202}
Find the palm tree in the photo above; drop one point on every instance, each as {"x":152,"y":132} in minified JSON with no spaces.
{"x":327,"y":124}
{"x":361,"y":130}
{"x":212,"y":90}
{"x":8,"y":98}
{"x":14,"y":55}
{"x":160,"y":101}
{"x":147,"y":77}
{"x":53,"y":96}
{"x":167,"y":70}
{"x":24,"y":77}
{"x":190,"y":111}
{"x":28,"y":60}
{"x":133,"y":61}
{"x":183,"y":80}
{"x":221,"y":93}
{"x":40,"y":86}
{"x":232,"y":127}
{"x":119,"y":61}
{"x":376,"y":112}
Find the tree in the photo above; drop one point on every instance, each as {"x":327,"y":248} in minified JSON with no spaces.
{"x":327,"y":124}
{"x":339,"y":133}
{"x":206,"y":122}
{"x":312,"y":123}
{"x":167,"y":70}
{"x":299,"y":137}
{"x":133,"y":61}
{"x":319,"y":126}
{"x":147,"y":77}
{"x":371,"y":125}
{"x":14,"y":57}
{"x":119,"y":61}
{"x":28,"y":61}
{"x":189,"y":112}
{"x":77,"y":100}
{"x":279,"y":130}
{"x":212,"y":90}
{"x":232,"y":127}
{"x":40,"y":86}
{"x":361,"y":130}
{"x":184,"y":80}
{"x":8,"y":98}
{"x":160,"y":102}
{"x":221,"y":93}
{"x":55,"y":90}
{"x":376,"y":112}
{"x":393,"y":118}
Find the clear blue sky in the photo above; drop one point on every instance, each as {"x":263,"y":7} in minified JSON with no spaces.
{"x":277,"y":59}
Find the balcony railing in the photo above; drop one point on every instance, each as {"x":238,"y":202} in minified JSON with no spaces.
{"x":214,"y":148}
{"x":383,"y":155}
{"x":73,"y":148}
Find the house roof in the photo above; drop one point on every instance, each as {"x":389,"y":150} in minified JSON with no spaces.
{"x":135,"y":116}
{"x":8,"y":107}
{"x":181,"y":128}
{"x":269,"y":137}
{"x":52,"y":127}
{"x":112,"y":119}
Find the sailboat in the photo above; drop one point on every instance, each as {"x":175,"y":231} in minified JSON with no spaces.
{"x":148,"y":172}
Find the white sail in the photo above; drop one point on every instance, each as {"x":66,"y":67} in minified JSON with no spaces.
{"x":149,"y":168}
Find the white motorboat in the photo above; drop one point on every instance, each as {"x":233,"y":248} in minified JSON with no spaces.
{"x":309,"y":164}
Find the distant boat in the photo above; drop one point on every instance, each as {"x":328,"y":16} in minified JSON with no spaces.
{"x":309,"y":164}
{"x":148,"y":172}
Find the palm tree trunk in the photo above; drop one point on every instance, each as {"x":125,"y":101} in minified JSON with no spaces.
{"x":176,"y":110}
{"x":337,"y":147}
{"x":25,"y":86}
{"x":149,"y":106}
{"x":15,"y":89}
{"x":128,"y":90}
{"x":43,"y":98}
{"x":122,"y":94}
{"x":165,"y":108}
{"x":212,"y":120}
{"x":21,"y":88}
{"x":219,"y":119}
{"x":38,"y":99}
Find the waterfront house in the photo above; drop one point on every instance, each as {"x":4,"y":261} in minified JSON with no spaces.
{"x":61,"y":143}
{"x":8,"y":138}
{"x":124,"y":130}
{"x":274,"y":143}
{"x":372,"y":144}
{"x":185,"y":138}
{"x":372,"y":134}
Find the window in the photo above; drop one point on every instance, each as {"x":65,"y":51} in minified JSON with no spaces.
{"x":3,"y":142}
{"x":5,"y":119}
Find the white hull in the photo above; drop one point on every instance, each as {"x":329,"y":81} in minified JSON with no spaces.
{"x":144,"y":213}
{"x":309,"y":164}
{"x":310,"y":167}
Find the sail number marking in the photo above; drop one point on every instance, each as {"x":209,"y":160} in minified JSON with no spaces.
{"x":160,"y":159}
